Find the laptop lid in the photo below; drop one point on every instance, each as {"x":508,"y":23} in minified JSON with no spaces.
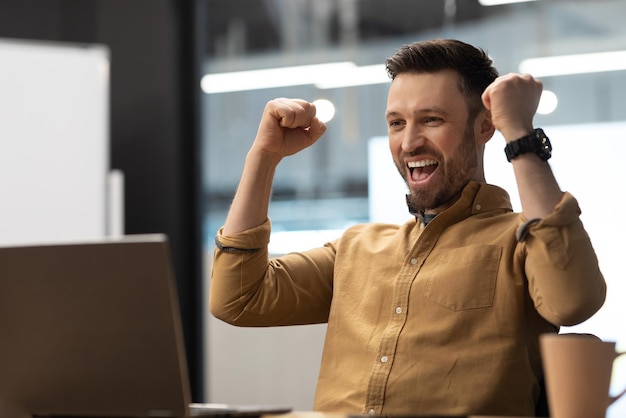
{"x":91,"y":329}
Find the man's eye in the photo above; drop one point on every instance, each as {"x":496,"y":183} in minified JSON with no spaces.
{"x":394,"y":123}
{"x":433,"y":120}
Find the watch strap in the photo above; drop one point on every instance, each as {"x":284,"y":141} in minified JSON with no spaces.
{"x":536,"y":142}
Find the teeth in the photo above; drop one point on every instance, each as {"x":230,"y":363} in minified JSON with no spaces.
{"x":422,"y":163}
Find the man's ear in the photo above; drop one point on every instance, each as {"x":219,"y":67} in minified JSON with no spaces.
{"x":484,"y":127}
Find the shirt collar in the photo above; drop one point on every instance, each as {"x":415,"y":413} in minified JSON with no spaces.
{"x":480,"y":197}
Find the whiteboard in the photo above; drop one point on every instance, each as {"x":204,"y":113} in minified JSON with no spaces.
{"x":54,"y":136}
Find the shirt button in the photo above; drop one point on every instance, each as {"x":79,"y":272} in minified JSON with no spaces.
{"x":371,"y":412}
{"x":384,"y":359}
{"x":414,"y":261}
{"x":398,"y":310}
{"x":478,"y":207}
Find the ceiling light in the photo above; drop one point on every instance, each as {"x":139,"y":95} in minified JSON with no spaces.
{"x":574,"y":64}
{"x":323,"y":76}
{"x":547,"y":103}
{"x":324,"y":110}
{"x":272,"y":77}
{"x":357,"y":76}
{"x":499,"y":2}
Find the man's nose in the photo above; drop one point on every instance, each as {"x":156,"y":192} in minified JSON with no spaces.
{"x":413,"y":139}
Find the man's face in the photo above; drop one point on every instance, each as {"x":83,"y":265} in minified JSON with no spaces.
{"x":431,"y":141}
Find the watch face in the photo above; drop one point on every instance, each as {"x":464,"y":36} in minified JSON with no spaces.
{"x":544,"y":149}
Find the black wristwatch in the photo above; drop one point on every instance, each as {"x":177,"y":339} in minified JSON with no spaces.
{"x":536,"y":142}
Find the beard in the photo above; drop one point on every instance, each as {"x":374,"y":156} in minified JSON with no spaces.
{"x":456,"y":172}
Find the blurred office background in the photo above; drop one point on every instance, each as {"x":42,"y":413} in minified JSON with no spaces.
{"x":181,"y":123}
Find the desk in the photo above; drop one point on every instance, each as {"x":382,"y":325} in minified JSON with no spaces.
{"x":304,"y":414}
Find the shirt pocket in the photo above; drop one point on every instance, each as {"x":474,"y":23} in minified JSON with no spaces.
{"x":464,"y":278}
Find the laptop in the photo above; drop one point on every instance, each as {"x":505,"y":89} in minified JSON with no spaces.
{"x":93,"y":329}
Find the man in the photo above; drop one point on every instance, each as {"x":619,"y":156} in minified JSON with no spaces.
{"x":440,"y":315}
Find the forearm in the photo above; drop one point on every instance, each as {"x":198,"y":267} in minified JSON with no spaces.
{"x":251,"y":202}
{"x":512,"y":101}
{"x":287,"y":127}
{"x":538,"y":189}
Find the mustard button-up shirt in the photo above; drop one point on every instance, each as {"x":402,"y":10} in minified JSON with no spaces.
{"x":442,"y":319}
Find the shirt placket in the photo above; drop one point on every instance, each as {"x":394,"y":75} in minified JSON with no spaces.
{"x":389,"y":341}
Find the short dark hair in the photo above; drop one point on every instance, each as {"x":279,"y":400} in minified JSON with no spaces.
{"x":475,"y":68}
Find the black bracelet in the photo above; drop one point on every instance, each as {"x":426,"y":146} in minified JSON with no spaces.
{"x":219,"y":245}
{"x":522,"y":232}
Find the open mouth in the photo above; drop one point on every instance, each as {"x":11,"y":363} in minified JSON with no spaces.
{"x":421,"y":170}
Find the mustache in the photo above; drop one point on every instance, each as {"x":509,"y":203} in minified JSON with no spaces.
{"x":423,"y":150}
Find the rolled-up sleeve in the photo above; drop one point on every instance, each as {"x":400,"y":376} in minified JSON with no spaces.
{"x":565,"y":281}
{"x":250,"y":289}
